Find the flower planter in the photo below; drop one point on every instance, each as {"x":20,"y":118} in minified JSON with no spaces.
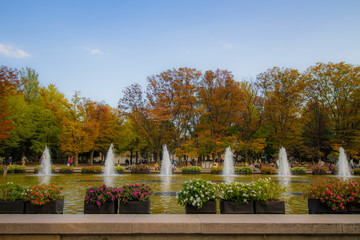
{"x":196,"y":172}
{"x":267,"y":173}
{"x":270,"y":207}
{"x":207,"y":208}
{"x":54,"y":207}
{"x":316,"y":207}
{"x":13,"y":207}
{"x":105,"y":208}
{"x":135,"y":207}
{"x":227,"y":207}
{"x":141,"y":172}
{"x":298,"y":173}
{"x":216,"y":172}
{"x":119,"y":172}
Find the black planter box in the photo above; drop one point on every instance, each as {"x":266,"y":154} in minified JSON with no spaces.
{"x":105,"y":208}
{"x":135,"y":207}
{"x":53,"y":207}
{"x":15,"y":207}
{"x":119,"y":172}
{"x":216,"y":172}
{"x":242,"y":173}
{"x":353,"y":208}
{"x":66,"y":171}
{"x":270,"y":207}
{"x":316,"y":207}
{"x":196,"y":172}
{"x":319,"y":173}
{"x":298,"y":173}
{"x":227,"y":207}
{"x":207,"y":208}
{"x":141,"y":172}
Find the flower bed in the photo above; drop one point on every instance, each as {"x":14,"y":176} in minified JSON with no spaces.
{"x":333,"y":194}
{"x":44,"y":199}
{"x":196,"y":193}
{"x":268,"y":170}
{"x":11,"y":198}
{"x":191,"y":170}
{"x":237,"y":198}
{"x":243,"y":170}
{"x":298,"y":171}
{"x":91,"y":170}
{"x":101,"y":200}
{"x":16,"y":169}
{"x":318,"y":170}
{"x":135,"y":199}
{"x":140,"y":169}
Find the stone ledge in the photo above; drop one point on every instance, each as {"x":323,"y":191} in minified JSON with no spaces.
{"x":179,"y":224}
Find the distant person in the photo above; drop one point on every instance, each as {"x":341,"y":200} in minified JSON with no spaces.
{"x":68,"y":162}
{"x":156,"y":166}
{"x":71,"y":161}
{"x":9,"y":161}
{"x":24,"y":160}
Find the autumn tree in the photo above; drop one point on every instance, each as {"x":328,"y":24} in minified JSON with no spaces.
{"x":173,"y":99}
{"x":338,"y":86}
{"x":135,"y":107}
{"x":248,"y":122}
{"x":9,"y":82}
{"x":79,"y":129}
{"x":219,"y":96}
{"x":283,"y":93}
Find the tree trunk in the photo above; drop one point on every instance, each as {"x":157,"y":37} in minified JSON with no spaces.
{"x":131,"y":157}
{"x":76,"y":159}
{"x":137,"y":157}
{"x":92,"y":158}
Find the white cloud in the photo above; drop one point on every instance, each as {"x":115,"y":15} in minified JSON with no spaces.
{"x":228,"y":46}
{"x":94,"y":51}
{"x":10,"y":51}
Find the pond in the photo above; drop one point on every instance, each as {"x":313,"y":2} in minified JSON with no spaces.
{"x":164,"y":189}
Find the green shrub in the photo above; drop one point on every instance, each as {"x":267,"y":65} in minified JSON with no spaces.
{"x":266,"y":190}
{"x":245,"y":169}
{"x":91,"y":170}
{"x":16,"y":168}
{"x":2,"y":168}
{"x":298,"y":170}
{"x":268,"y":170}
{"x":216,"y":170}
{"x":356,"y":171}
{"x":38,"y":168}
{"x":191,"y":169}
{"x":11,"y":192}
{"x":119,"y":169}
{"x":66,"y":169}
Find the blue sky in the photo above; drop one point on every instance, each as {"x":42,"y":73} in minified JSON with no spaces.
{"x":100,"y":47}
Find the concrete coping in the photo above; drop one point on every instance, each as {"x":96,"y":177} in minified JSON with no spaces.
{"x":178,"y":224}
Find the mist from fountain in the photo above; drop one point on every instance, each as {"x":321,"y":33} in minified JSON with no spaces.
{"x":343,"y":164}
{"x":284,"y":169}
{"x":109,"y":162}
{"x":228,"y":169}
{"x":166,"y":168}
{"x":45,"y":165}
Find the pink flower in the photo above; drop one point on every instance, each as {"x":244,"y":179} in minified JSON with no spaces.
{"x":352,"y":193}
{"x":99,"y":197}
{"x":98,"y":203}
{"x":91,"y":191}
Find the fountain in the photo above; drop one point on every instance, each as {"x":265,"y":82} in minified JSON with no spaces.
{"x":45,"y":165}
{"x":343,"y":164}
{"x":109,"y":162}
{"x":166,"y":168}
{"x":284,"y":169}
{"x":228,"y":163}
